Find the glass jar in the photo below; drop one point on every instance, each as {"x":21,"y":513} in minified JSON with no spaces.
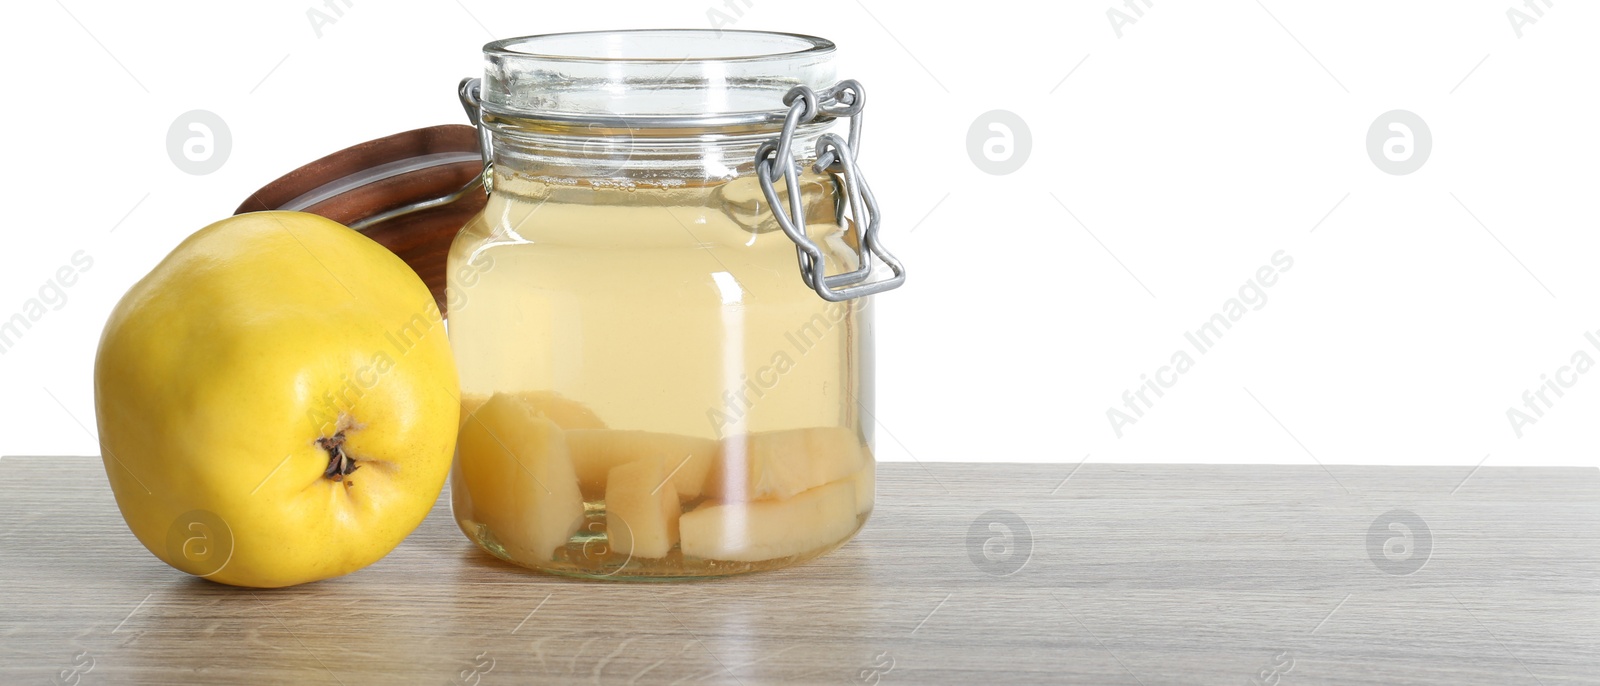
{"x":653,"y":386}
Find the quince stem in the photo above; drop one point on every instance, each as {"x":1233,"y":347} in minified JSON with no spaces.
{"x":340,"y":464}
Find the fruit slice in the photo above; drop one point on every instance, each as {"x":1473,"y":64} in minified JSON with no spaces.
{"x":642,"y":508}
{"x":514,"y":465}
{"x":780,"y":464}
{"x":866,"y":482}
{"x":596,"y":452}
{"x":754,"y":531}
{"x":565,"y":412}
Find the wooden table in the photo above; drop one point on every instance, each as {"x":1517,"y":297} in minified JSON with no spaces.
{"x":1082,"y":574}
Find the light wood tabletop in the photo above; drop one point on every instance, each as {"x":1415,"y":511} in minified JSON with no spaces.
{"x":1079,"y":574}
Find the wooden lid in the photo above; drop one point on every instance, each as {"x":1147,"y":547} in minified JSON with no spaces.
{"x":377,"y":176}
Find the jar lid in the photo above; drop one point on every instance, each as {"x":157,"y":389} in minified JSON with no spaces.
{"x":360,"y":185}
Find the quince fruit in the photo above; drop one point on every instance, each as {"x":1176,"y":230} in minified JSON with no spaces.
{"x":277,"y":402}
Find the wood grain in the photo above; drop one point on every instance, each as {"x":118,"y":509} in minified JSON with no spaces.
{"x":1144,"y":574}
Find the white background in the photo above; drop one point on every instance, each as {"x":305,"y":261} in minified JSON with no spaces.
{"x":1201,"y":141}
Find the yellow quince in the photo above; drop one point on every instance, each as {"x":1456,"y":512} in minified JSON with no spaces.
{"x":277,"y":402}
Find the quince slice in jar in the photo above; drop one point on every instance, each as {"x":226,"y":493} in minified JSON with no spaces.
{"x":518,"y":476}
{"x":866,"y":482}
{"x":563,"y":411}
{"x":642,"y":508}
{"x":768,"y":530}
{"x":782,"y":464}
{"x":596,"y":452}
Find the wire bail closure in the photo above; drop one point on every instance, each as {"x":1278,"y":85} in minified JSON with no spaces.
{"x":837,"y":156}
{"x":471,"y":93}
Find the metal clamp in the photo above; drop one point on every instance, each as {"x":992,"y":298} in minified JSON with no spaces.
{"x":470,"y":91}
{"x":837,"y":156}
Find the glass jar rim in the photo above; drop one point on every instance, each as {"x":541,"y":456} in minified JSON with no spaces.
{"x":657,"y":79}
{"x":621,"y":40}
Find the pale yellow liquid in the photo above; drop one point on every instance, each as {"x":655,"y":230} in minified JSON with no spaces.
{"x":675,"y":310}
